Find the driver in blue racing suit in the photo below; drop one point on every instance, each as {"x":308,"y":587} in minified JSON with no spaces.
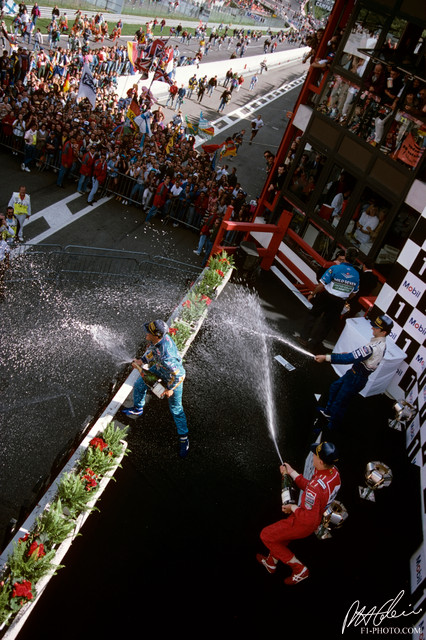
{"x":164,"y":360}
{"x":364,"y":361}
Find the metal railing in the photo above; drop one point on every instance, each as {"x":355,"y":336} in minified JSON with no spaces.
{"x":33,"y":262}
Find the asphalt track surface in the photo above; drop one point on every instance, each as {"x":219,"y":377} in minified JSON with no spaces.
{"x":172,"y":549}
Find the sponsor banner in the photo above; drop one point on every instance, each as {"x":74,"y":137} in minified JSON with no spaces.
{"x":411,"y":289}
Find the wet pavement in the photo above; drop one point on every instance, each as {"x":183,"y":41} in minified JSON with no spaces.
{"x":173,"y":546}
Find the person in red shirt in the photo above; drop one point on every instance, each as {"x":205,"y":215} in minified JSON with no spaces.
{"x":160,"y":197}
{"x":67,"y":160}
{"x":318,"y":492}
{"x":172,"y":95}
{"x":98,"y":177}
{"x":86,"y":170}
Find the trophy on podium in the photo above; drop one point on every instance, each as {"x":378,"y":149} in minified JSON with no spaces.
{"x":377,"y":476}
{"x":404,"y":414}
{"x":333,"y":518}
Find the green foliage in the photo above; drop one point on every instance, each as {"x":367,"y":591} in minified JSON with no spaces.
{"x":73,"y":494}
{"x":193,"y":308}
{"x":113,"y":436}
{"x":23,"y":565}
{"x":182,"y":335}
{"x":32,"y":557}
{"x":222,"y":261}
{"x":53,"y":526}
{"x":212,"y":279}
{"x":98,"y":461}
{"x":5,"y":597}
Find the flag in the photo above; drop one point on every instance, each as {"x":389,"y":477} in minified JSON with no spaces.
{"x":410,"y":152}
{"x":66,"y":86}
{"x":166,"y":61}
{"x":205,"y":127}
{"x":119,"y":129}
{"x":87,"y":86}
{"x":143,"y":122}
{"x":214,"y":160}
{"x":135,"y":54}
{"x":10,"y":8}
{"x":132,"y":52}
{"x":156,"y":47}
{"x":132,"y":112}
{"x":211,"y":148}
{"x":143,"y":67}
{"x":230,"y":149}
{"x":172,"y":141}
{"x":191,"y":127}
{"x":162,"y":77}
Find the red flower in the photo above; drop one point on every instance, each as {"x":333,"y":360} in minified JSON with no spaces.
{"x":173,"y":330}
{"x":206,"y":299}
{"x":36,"y":548}
{"x":222,"y":275}
{"x":25,"y":538}
{"x":98,"y":443}
{"x":224,"y":260}
{"x":187,"y":303}
{"x":22,"y":590}
{"x":90,"y":478}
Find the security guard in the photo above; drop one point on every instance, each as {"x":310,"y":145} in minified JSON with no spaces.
{"x":21,"y":203}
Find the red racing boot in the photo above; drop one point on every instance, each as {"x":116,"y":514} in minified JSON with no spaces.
{"x":270,"y":563}
{"x":300,"y":572}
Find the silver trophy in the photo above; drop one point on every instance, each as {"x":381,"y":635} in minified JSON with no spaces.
{"x":377,"y":476}
{"x":404,"y":414}
{"x":333,"y":518}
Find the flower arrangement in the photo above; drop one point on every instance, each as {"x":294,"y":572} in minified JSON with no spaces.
{"x":194,"y":307}
{"x":32,"y":557}
{"x":181,"y":332}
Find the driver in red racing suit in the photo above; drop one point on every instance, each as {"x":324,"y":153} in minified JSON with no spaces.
{"x":303,"y":520}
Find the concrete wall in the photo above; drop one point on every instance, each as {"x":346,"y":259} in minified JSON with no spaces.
{"x":247,"y":66}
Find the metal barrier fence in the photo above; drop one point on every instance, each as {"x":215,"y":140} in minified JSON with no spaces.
{"x":193,"y":11}
{"x":33,"y":262}
{"x":122,"y":187}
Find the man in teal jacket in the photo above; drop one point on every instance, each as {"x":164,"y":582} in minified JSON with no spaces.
{"x":163,"y":359}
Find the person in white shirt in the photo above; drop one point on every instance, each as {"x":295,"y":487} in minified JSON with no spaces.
{"x":173,"y":199}
{"x":367,"y":222}
{"x":30,"y":139}
{"x":256,"y":125}
{"x":11,"y":226}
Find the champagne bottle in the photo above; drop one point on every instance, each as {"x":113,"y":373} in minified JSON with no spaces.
{"x":287,"y":490}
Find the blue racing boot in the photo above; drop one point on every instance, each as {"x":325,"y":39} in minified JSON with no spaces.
{"x":183,"y":446}
{"x":132,"y":411}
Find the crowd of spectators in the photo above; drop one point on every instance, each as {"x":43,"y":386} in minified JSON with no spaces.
{"x":99,"y":150}
{"x":377,"y":101}
{"x":46,"y":128}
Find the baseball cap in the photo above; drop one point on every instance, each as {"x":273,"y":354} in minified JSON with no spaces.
{"x":156,"y":328}
{"x":326,"y":451}
{"x":383,"y":322}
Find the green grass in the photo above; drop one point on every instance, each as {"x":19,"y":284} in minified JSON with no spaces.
{"x":126,"y":30}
